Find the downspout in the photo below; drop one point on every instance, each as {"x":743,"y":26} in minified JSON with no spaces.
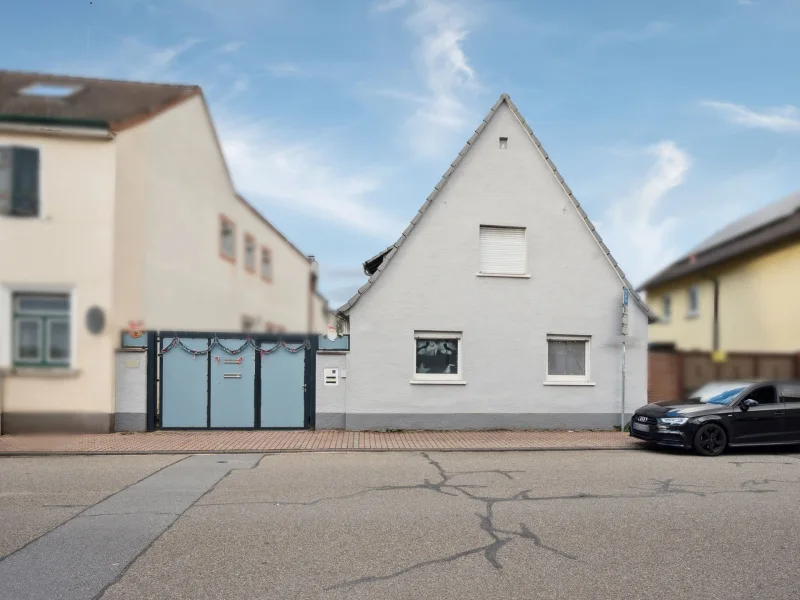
{"x":312,"y":290}
{"x":715,"y":325}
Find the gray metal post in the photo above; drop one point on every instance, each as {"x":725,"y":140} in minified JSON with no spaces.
{"x":622,"y":410}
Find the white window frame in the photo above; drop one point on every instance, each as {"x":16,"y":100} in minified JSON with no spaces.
{"x":568,"y":379}
{"x":452,"y":378}
{"x":693,"y":312}
{"x":15,"y":341}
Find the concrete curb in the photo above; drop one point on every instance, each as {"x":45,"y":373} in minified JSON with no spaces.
{"x":34,"y":453}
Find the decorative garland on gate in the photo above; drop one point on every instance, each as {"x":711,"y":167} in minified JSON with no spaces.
{"x":176,"y":341}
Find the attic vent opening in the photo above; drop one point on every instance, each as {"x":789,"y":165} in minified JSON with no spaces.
{"x":503,"y":143}
{"x":50,"y":90}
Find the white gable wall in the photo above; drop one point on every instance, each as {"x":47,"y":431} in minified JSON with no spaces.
{"x":431,"y":284}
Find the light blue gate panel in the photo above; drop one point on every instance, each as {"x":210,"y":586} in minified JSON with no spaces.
{"x":184,"y":391}
{"x":233,"y":386}
{"x":282,"y":387}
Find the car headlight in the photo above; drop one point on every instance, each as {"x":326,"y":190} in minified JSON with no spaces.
{"x":673,"y":421}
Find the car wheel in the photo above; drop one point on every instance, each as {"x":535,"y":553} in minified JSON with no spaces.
{"x":710,"y":440}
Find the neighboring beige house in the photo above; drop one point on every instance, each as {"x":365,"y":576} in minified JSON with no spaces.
{"x":738,"y":290}
{"x":116,"y":205}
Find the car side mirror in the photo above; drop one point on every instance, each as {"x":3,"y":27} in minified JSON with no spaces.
{"x":748,"y":403}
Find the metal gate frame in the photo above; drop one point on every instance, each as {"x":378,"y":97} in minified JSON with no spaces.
{"x":155,"y":369}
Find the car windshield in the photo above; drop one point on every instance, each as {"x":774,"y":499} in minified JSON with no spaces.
{"x":721,"y":392}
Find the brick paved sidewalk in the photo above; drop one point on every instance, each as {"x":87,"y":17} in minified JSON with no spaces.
{"x":312,"y":441}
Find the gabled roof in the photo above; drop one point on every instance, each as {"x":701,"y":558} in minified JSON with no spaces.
{"x":378,"y":263}
{"x":88,"y":102}
{"x":771,"y":225}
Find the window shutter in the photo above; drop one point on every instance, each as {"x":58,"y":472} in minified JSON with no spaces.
{"x":5,"y":181}
{"x":25,"y":185}
{"x":502,"y":250}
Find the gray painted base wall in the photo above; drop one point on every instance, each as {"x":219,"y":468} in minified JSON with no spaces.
{"x":50,"y":422}
{"x":130,"y":422}
{"x":467,"y":421}
{"x":330,"y":421}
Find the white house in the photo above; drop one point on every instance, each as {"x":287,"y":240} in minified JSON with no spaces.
{"x":498,"y":307}
{"x":116,"y":201}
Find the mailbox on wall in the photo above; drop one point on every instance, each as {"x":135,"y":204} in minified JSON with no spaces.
{"x":331,"y":376}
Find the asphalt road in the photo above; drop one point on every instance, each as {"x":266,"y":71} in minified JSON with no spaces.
{"x":603,"y":524}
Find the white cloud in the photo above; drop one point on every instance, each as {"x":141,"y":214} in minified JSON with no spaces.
{"x":638,"y":235}
{"x":649,"y":31}
{"x":135,"y":59}
{"x":449,"y":79}
{"x":341,"y":283}
{"x":286,"y":70}
{"x":784,"y":119}
{"x":267,"y":168}
{"x":230,"y":47}
{"x":388,"y":5}
{"x":235,"y":12}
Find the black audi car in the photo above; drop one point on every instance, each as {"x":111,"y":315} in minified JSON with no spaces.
{"x":723,"y":414}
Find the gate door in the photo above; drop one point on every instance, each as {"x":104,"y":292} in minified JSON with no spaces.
{"x":184,"y":382}
{"x":283,"y":389}
{"x":233,"y":384}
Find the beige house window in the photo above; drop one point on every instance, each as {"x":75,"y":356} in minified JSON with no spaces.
{"x":19,"y":181}
{"x":41,"y":334}
{"x":248,"y":323}
{"x":249,"y":253}
{"x":666,"y":309}
{"x":266,"y":264}
{"x":694,"y":302}
{"x":227,"y":239}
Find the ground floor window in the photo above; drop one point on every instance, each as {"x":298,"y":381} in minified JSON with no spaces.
{"x":568,"y":358}
{"x":41,"y":334}
{"x":437,"y":355}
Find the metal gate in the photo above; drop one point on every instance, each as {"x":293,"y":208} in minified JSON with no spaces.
{"x":235,"y":381}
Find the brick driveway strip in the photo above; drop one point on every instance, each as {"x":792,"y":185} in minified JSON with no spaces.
{"x":313,"y":441}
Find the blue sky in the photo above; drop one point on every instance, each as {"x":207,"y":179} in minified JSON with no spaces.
{"x":667,"y":119}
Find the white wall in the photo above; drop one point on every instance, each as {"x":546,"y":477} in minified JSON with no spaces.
{"x":431,"y":284}
{"x":331,"y":400}
{"x":68,"y":249}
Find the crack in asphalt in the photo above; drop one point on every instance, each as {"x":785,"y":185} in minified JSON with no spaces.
{"x":751,"y":482}
{"x":739,"y":463}
{"x":499,"y":538}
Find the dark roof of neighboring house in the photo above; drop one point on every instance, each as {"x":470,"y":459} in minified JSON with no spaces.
{"x":93,"y":103}
{"x":376,"y":265}
{"x":773,"y":224}
{"x":99,"y":103}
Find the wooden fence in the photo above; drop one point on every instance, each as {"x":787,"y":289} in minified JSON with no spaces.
{"x":673,"y":373}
